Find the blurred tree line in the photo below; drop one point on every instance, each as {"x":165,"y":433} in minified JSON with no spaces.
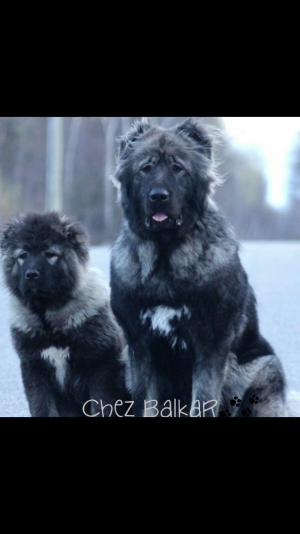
{"x":293,"y":215}
{"x":89,"y":158}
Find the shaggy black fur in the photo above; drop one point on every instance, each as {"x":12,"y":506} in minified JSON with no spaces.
{"x":178,"y":287}
{"x":62,"y":326}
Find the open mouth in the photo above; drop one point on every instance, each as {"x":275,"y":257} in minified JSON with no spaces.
{"x":160,"y":217}
{"x":162,"y":220}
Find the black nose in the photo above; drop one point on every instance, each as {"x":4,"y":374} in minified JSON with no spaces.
{"x":32,"y":274}
{"x":159,"y":194}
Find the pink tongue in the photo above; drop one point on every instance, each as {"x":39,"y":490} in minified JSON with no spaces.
{"x":159,"y":217}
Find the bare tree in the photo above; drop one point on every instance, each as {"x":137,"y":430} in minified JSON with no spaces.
{"x":71,"y":151}
{"x":110,"y":127}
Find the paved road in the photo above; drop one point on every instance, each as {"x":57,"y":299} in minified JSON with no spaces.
{"x":273,"y":270}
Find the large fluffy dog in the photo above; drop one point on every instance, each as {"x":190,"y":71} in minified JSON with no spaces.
{"x":178,"y":288}
{"x":62,"y":326}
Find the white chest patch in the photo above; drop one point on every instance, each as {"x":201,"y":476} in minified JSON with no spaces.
{"x":162,"y":321}
{"x":58,"y":358}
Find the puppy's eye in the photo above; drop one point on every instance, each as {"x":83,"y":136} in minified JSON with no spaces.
{"x":23,"y":256}
{"x":50,"y":255}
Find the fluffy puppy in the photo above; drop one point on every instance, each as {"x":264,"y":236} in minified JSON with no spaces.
{"x":62,"y":326}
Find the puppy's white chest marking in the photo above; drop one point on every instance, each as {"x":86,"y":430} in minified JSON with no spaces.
{"x":162,"y":321}
{"x":59,"y":359}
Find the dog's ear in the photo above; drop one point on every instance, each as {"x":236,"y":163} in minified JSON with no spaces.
{"x":195,"y":130}
{"x":7,"y":232}
{"x":77,"y":237}
{"x":73,"y":231}
{"x":126,"y":143}
{"x":137,"y":130}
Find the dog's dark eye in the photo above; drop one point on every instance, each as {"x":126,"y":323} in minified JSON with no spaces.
{"x":23,"y":256}
{"x":147,"y":168}
{"x":50,"y":255}
{"x":176,"y":168}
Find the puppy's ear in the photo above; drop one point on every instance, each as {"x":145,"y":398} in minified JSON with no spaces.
{"x":73,"y":230}
{"x":137,"y":130}
{"x":195,"y":130}
{"x":7,"y":233}
{"x":77,"y":237}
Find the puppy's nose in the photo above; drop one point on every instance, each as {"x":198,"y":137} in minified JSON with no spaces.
{"x":32,"y":274}
{"x":159,"y":194}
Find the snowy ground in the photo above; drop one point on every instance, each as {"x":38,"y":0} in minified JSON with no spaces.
{"x":273,"y":269}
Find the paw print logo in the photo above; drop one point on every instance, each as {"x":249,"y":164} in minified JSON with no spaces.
{"x":254,"y":400}
{"x":235,"y":401}
{"x":247,"y":413}
{"x":225,"y":413}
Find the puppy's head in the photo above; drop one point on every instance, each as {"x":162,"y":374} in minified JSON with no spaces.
{"x":43,"y":258}
{"x":165,"y":176}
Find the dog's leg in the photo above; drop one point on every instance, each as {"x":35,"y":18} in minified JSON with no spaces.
{"x":208,"y":381}
{"x":265,"y":394}
{"x":39,"y":391}
{"x":234,"y":388}
{"x":143,"y":384}
{"x":259,"y":387}
{"x":148,"y":387}
{"x":107,"y":388}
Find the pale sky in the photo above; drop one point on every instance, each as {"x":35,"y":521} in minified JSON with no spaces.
{"x":273,"y":136}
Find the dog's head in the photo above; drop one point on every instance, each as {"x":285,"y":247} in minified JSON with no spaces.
{"x":165,"y":176}
{"x":43,"y":257}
